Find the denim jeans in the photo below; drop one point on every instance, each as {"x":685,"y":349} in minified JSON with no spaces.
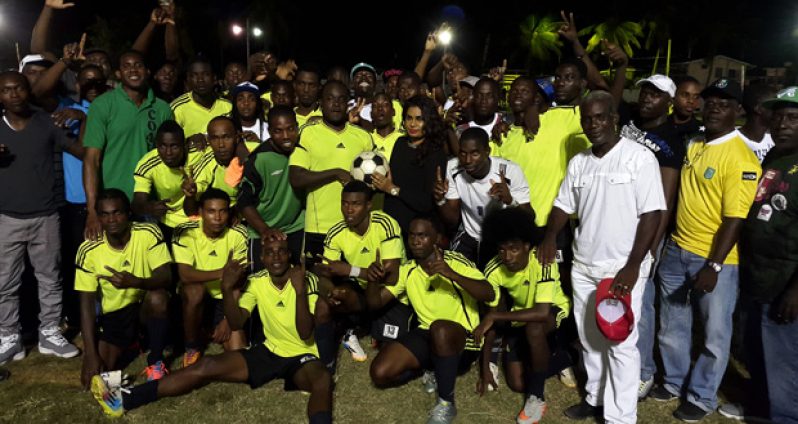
{"x":646,"y":324}
{"x":714,"y":309}
{"x":780,"y":360}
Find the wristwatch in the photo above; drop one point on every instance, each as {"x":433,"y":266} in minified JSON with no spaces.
{"x":715,"y":266}
{"x":394,"y":191}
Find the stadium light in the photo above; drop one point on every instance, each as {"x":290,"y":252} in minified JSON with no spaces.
{"x":445,"y":36}
{"x":257,"y":32}
{"x":237,"y":29}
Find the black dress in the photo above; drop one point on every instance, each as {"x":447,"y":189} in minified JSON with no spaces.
{"x":415,"y":179}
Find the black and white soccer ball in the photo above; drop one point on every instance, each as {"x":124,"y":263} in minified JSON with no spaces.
{"x":366,"y":164}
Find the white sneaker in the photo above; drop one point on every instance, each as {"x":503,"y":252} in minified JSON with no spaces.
{"x":494,"y":371}
{"x":734,"y":411}
{"x":51,"y":342}
{"x":533,"y":411}
{"x":352,"y":344}
{"x":11,"y":348}
{"x":568,"y":378}
{"x":644,"y":388}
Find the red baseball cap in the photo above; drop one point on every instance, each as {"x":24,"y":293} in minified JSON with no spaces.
{"x":614,"y":316}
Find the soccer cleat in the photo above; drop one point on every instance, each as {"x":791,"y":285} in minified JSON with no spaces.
{"x":352,"y":344}
{"x":644,"y":388}
{"x":568,"y":378}
{"x":190,"y":357}
{"x":443,"y":413}
{"x":494,"y":372}
{"x":532,"y":412}
{"x":429,"y":382}
{"x":690,"y":413}
{"x":110,"y":399}
{"x":734,"y":411}
{"x":156,"y":371}
{"x":11,"y":348}
{"x":51,"y":342}
{"x":661,"y":394}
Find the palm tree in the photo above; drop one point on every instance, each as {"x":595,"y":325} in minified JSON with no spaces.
{"x":539,"y":36}
{"x":622,"y":33}
{"x":658,"y":33}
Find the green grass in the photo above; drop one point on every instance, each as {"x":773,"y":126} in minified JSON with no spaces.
{"x":47,"y":389}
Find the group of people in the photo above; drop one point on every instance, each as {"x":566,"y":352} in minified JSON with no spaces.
{"x":548,"y":229}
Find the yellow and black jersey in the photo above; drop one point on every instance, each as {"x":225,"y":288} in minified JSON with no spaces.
{"x":194,"y":117}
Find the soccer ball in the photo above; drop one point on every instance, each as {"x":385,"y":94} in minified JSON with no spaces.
{"x":366,"y":164}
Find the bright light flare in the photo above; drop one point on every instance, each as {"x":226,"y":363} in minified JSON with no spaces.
{"x":445,"y":37}
{"x":257,"y":32}
{"x":237,"y":29}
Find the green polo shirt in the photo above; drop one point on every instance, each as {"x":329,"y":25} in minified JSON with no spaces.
{"x":124,"y":132}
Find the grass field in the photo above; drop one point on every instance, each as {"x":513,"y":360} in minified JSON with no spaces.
{"x":47,"y":389}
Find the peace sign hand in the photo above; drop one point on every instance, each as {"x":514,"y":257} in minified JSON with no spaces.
{"x":189,"y":186}
{"x":568,"y":28}
{"x":354,"y":113}
{"x":121,"y":280}
{"x":441,"y":186}
{"x":501,"y":190}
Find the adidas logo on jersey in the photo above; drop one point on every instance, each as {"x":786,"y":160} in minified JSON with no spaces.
{"x":213,"y":253}
{"x":365,"y":250}
{"x":340,"y":145}
{"x":126,"y":263}
{"x":280,"y":304}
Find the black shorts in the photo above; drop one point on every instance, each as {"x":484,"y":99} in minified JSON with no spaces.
{"x":392,"y":322}
{"x":121,"y":327}
{"x":516,"y":348}
{"x":314,"y":247}
{"x":213,"y":311}
{"x":264,"y":366}
{"x":418,"y":342}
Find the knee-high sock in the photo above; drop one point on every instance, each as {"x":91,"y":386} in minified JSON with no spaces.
{"x":446,"y":375}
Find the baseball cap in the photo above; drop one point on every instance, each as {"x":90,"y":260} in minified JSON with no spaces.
{"x":359,"y":66}
{"x":614,"y":316}
{"x":35,"y":59}
{"x":661,"y":82}
{"x":787,"y":95}
{"x":245,"y":86}
{"x":470,"y":81}
{"x":724,"y":88}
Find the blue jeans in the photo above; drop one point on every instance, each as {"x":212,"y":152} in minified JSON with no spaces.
{"x":780,"y":360}
{"x":677,"y":302}
{"x":646,"y":327}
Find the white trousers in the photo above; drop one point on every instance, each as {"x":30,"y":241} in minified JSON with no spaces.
{"x":613,"y":369}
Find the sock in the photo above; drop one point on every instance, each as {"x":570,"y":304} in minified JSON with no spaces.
{"x":158,"y":330}
{"x":446,"y":375}
{"x":325,"y":341}
{"x":324,"y":417}
{"x":535,"y":382}
{"x":140,"y":395}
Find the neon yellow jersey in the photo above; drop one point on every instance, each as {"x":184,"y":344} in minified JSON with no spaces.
{"x":322,"y":148}
{"x":544,"y":158}
{"x":144,"y":252}
{"x":397,"y":114}
{"x":210,"y":173}
{"x":383,"y":234}
{"x":194,"y":117}
{"x":719,"y":179}
{"x":153,"y":176}
{"x":532,"y":285}
{"x":277,"y":310}
{"x":267,"y":96}
{"x":384,"y":145}
{"x":303,"y":119}
{"x":193,"y":248}
{"x":437,"y":298}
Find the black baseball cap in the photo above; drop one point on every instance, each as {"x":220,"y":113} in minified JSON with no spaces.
{"x":725,"y":89}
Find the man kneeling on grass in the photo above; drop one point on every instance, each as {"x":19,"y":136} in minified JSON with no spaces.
{"x":444,"y":289}
{"x":285,"y":296}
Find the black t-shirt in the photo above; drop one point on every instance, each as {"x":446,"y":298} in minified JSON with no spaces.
{"x":664,"y":141}
{"x":415,"y":181}
{"x":28,"y":181}
{"x":686,"y":129}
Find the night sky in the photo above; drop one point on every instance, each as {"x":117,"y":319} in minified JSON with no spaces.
{"x":390,"y":34}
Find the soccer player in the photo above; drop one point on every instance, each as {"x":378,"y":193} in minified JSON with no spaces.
{"x":212,"y":168}
{"x":120,"y":130}
{"x":444,"y":289}
{"x":195,"y":109}
{"x":320,"y":164}
{"x":307,"y":86}
{"x":485,"y":107}
{"x":249,"y":113}
{"x":282,"y":94}
{"x":201,"y":249}
{"x":266,"y":199}
{"x":475,"y":185}
{"x":350,"y":247}
{"x":159,"y":178}
{"x":537,"y":306}
{"x":615,"y":190}
{"x":127,"y":271}
{"x":285,"y":296}
{"x":385,"y":131}
{"x":700,"y":263}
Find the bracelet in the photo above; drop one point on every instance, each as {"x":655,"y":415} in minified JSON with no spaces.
{"x":354,"y":272}
{"x":441,"y":203}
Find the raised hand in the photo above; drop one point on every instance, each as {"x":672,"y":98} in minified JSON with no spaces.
{"x":354,"y":114}
{"x":286,"y":70}
{"x":438,"y":266}
{"x":297,"y":278}
{"x":232,"y":273}
{"x":497,"y":73}
{"x":568,"y":28}
{"x":500,"y":190}
{"x":189,"y":186}
{"x":73,"y":52}
{"x":441,"y":186}
{"x":615,"y":54}
{"x":376,"y":271}
{"x":58,"y":4}
{"x":431,"y":43}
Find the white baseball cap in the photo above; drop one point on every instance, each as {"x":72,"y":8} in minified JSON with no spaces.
{"x":35,"y":59}
{"x":662,"y":83}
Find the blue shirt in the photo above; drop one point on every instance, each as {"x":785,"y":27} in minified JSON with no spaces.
{"x":73,"y":167}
